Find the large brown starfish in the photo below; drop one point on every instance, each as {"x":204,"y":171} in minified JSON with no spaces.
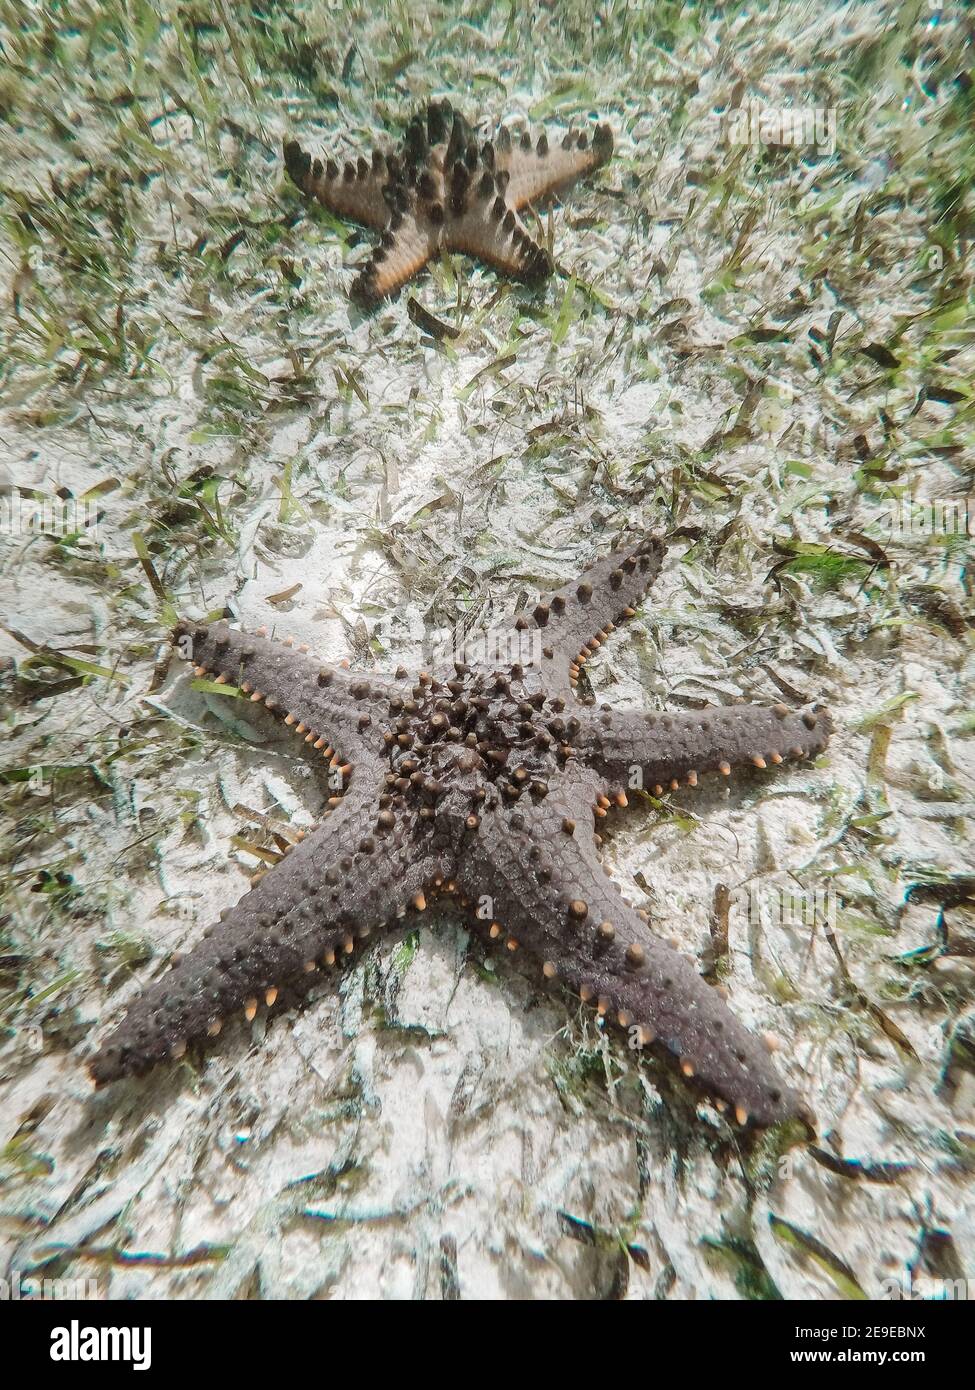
{"x":484,"y":779}
{"x":445,"y":191}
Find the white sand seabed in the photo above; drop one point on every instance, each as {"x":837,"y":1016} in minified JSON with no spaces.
{"x":434,"y":1118}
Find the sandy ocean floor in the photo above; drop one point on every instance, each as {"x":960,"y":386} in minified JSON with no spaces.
{"x":764,"y":353}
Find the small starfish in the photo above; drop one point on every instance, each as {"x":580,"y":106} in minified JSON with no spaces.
{"x":484,"y":780}
{"x":444,"y":191}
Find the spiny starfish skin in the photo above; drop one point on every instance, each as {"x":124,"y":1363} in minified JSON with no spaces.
{"x":484,"y":780}
{"x":443,"y":190}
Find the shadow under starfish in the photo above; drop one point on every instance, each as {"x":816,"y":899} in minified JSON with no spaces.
{"x":444,"y":190}
{"x":484,"y":780}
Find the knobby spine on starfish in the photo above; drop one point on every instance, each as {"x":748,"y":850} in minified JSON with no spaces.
{"x":484,"y":781}
{"x":444,"y":190}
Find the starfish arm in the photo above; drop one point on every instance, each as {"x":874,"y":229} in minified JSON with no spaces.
{"x":349,"y":878}
{"x":569,"y":625}
{"x":337,"y":712}
{"x":540,"y":170}
{"x":408,"y":243}
{"x":549,"y":897}
{"x":491,"y":231}
{"x":653,"y":752}
{"x":351,"y":190}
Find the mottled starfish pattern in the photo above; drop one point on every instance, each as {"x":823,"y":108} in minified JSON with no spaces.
{"x":485,"y":780}
{"x":444,"y":190}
